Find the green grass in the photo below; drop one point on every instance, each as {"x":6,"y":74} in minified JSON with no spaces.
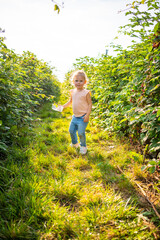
{"x":49,"y":191}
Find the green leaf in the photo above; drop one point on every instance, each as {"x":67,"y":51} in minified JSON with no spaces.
{"x":56,"y":8}
{"x":152,"y":169}
{"x":158,"y":113}
{"x":152,"y":163}
{"x":3,"y":146}
{"x":153,"y":89}
{"x":157,"y":27}
{"x":124,"y":120}
{"x":133,"y":4}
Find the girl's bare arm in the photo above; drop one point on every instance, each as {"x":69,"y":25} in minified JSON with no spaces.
{"x":68,"y":103}
{"x":86,"y":117}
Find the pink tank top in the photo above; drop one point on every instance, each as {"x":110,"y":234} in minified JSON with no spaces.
{"x":79,"y":102}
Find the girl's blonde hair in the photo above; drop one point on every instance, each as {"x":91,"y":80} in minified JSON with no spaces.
{"x":79,"y":72}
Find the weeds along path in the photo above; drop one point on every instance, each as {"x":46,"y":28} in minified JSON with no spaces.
{"x":60,"y":194}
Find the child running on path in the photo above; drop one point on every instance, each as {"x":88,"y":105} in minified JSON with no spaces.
{"x":82,"y":105}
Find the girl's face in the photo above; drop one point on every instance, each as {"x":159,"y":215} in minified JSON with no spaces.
{"x":79,"y":81}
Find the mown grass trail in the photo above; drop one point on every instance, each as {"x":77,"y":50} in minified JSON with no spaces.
{"x":55,"y":193}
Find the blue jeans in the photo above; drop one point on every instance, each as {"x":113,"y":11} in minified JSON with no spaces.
{"x":78,"y":124}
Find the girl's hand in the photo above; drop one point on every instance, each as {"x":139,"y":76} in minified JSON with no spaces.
{"x":86,"y":118}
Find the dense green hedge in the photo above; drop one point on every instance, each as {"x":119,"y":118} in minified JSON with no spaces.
{"x":125,"y":89}
{"x":25,"y":84}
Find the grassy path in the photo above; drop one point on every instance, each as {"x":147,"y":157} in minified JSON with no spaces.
{"x":58,"y":194}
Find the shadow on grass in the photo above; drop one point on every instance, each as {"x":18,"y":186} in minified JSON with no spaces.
{"x":112,"y":176}
{"x":16,"y":194}
{"x":21,"y":205}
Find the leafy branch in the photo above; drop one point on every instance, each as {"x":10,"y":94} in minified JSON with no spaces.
{"x":58,"y":6}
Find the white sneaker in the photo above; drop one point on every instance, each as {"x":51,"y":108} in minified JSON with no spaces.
{"x":83,"y":150}
{"x":74,"y":145}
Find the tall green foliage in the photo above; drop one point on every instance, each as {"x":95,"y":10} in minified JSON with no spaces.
{"x":126,"y":88}
{"x":25,"y":83}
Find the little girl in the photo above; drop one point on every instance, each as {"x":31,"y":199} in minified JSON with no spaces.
{"x":82,"y":105}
